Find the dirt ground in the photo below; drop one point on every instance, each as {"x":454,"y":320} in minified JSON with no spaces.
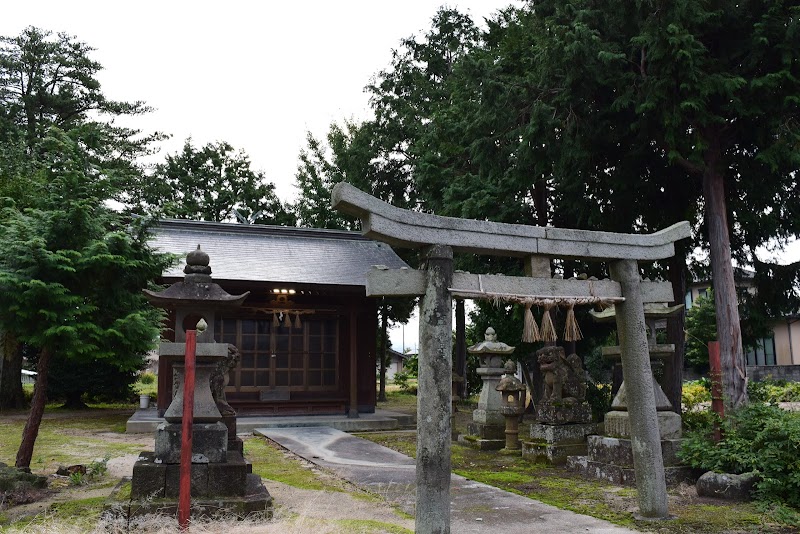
{"x":296,"y":510}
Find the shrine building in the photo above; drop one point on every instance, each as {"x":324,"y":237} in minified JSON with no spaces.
{"x":307,"y":330}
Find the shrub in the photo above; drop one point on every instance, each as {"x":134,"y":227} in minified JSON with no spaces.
{"x":774,"y":391}
{"x":147,"y":377}
{"x":695,"y":405}
{"x":758,"y":438}
{"x":401,"y":379}
{"x":599,"y":397}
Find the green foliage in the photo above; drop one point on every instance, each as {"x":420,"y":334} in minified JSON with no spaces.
{"x":773,"y":391}
{"x":147,"y":377}
{"x":403,"y":380}
{"x":758,"y":438}
{"x":212,"y":183}
{"x":599,"y":397}
{"x":701,"y":327}
{"x":72,"y":273}
{"x":696,"y":405}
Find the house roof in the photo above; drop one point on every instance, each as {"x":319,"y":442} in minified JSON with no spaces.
{"x":275,"y":253}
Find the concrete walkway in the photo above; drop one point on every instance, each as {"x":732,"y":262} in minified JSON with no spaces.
{"x":475,"y":507}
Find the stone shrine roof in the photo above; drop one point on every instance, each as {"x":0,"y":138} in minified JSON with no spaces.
{"x":254,"y":252}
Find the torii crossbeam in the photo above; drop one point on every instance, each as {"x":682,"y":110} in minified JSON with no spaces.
{"x":438,"y":284}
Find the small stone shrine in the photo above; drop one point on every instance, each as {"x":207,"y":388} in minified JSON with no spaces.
{"x":222,"y":482}
{"x":488,"y":426}
{"x":563,"y":416}
{"x":610,"y":456}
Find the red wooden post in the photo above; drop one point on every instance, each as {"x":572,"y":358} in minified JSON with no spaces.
{"x":185,"y":487}
{"x":715,"y":374}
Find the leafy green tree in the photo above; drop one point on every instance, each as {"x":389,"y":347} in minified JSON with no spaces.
{"x":71,"y":277}
{"x":701,"y":327}
{"x":316,"y":176}
{"x":50,"y":81}
{"x":212,"y":183}
{"x":630,"y":117}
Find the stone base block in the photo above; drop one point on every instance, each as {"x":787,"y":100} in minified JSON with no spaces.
{"x":208,"y":439}
{"x":484,"y":431}
{"x":617,"y":424}
{"x":489,"y":417}
{"x":483,"y":444}
{"x":562,"y":434}
{"x":625,"y":476}
{"x":619,"y":451}
{"x":557,"y":413}
{"x":539,"y":451}
{"x":255,"y":501}
{"x":155,"y":480}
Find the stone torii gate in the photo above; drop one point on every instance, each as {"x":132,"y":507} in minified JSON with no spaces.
{"x":438,"y":284}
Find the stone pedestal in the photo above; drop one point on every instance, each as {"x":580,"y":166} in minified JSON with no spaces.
{"x":209,"y":443}
{"x":554,"y":443}
{"x":611,"y":459}
{"x":618,"y":424}
{"x":562,"y":413}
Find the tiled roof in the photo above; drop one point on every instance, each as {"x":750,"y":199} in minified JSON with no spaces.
{"x":275,"y":253}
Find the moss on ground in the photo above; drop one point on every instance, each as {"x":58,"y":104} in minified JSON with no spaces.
{"x":368,"y":526}
{"x":616,"y":504}
{"x":271,"y":462}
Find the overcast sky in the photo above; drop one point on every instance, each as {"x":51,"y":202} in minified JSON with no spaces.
{"x":255,"y":74}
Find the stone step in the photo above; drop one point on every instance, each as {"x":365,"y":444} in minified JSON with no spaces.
{"x":539,"y":451}
{"x":618,"y":451}
{"x":625,"y":476}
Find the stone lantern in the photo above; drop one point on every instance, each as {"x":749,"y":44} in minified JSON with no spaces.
{"x":488,"y":424}
{"x":221,"y":479}
{"x":512,"y":404}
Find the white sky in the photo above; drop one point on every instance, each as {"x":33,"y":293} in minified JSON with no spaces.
{"x":255,"y":74}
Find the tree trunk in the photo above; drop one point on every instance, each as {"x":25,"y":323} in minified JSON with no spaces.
{"x":31,"y":430}
{"x":729,"y":333}
{"x":11,"y":393}
{"x":673,"y":370}
{"x":382,"y":353}
{"x":460,"y":361}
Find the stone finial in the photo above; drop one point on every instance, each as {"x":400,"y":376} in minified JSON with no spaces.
{"x":197,"y":262}
{"x":510,"y":367}
{"x":490,"y":334}
{"x":490,"y":345}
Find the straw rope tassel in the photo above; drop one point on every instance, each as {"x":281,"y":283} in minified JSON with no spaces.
{"x":297,"y":323}
{"x":275,"y":321}
{"x":287,"y":321}
{"x":548,"y":331}
{"x":572,"y":331}
{"x":530,"y":334}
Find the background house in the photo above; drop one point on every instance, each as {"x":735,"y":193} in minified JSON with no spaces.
{"x":781,"y":348}
{"x":307,"y":331}
{"x":395,"y":365}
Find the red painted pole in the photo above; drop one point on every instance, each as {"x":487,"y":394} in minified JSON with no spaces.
{"x":185,"y":487}
{"x":715,"y":374}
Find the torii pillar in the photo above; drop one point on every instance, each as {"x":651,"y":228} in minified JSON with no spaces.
{"x":434,"y":393}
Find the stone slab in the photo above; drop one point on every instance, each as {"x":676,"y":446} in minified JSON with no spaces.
{"x":398,"y":227}
{"x":483,"y":431}
{"x":408,"y":282}
{"x":626,"y":476}
{"x":209,"y":440}
{"x":390,"y":474}
{"x":562,"y":434}
{"x":149,"y":478}
{"x":198,"y":480}
{"x":617,"y":424}
{"x":619,"y":451}
{"x":255,"y":503}
{"x":539,"y":451}
{"x":562,"y":414}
